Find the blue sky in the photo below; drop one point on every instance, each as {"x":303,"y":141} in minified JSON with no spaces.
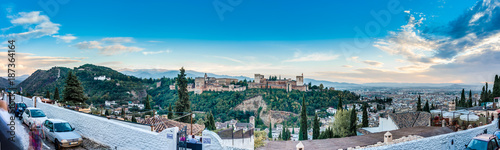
{"x":413,"y":41}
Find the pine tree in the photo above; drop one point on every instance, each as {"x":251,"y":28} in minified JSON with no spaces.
{"x":170,"y":113}
{"x":73,"y":90}
{"x":106,"y":112}
{"x":182,"y":105}
{"x":354,"y":120}
{"x":419,"y":104}
{"x":303,"y":121}
{"x":482,"y":96}
{"x":426,"y":107}
{"x":270,"y":133}
{"x":147,"y":104}
{"x":316,"y":127}
{"x":133,"y":119}
{"x":47,"y":95}
{"x":365,"y":115}
{"x":56,"y":94}
{"x":210,"y":123}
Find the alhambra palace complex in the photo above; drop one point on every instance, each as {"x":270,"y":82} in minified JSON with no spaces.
{"x":227,"y":84}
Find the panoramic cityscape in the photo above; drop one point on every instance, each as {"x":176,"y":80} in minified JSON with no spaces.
{"x":250,"y":75}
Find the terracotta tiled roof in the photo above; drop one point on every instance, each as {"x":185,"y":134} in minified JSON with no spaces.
{"x":160,"y":124}
{"x":411,"y":119}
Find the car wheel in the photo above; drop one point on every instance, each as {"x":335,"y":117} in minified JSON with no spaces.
{"x":57,"y":145}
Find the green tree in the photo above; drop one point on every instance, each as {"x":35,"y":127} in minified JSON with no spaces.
{"x":365,"y":115}
{"x":123,"y":113}
{"x":182,"y":105}
{"x":170,"y":113}
{"x":470,"y":99}
{"x":210,"y":123}
{"x":147,"y":104}
{"x":496,"y":87}
{"x":462,"y":99}
{"x":419,"y":104}
{"x":316,"y":127}
{"x":426,"y":107}
{"x":303,"y":121}
{"x":47,"y":95}
{"x":106,"y":112}
{"x":353,"y":121}
{"x":270,"y":133}
{"x":340,"y":105}
{"x":56,"y":94}
{"x":341,"y":125}
{"x":73,"y":90}
{"x":133,"y":119}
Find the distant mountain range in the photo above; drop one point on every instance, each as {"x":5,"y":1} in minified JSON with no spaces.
{"x":158,"y":73}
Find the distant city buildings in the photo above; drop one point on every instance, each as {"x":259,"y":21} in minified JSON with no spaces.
{"x":102,"y":78}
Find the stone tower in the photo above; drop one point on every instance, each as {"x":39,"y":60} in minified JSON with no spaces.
{"x":300,"y":80}
{"x":252,"y":120}
{"x":451,"y":106}
{"x":258,"y":77}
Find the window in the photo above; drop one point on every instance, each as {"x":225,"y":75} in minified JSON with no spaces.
{"x":27,"y":112}
{"x":492,"y":144}
{"x":62,"y":127}
{"x":50,"y":125}
{"x":37,"y":113}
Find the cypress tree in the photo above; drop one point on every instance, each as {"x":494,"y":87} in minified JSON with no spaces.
{"x":133,"y":119}
{"x":496,"y":87}
{"x":56,"y":94}
{"x":462,"y":99}
{"x":123,"y":113}
{"x":353,"y":122}
{"x":339,"y":106}
{"x":73,"y":90}
{"x":316,"y":127}
{"x":365,"y":115}
{"x":170,"y":113}
{"x":147,"y":105}
{"x":303,"y":121}
{"x":419,"y":104}
{"x":470,"y":98}
{"x":426,"y":107}
{"x":47,"y":94}
{"x":182,"y":105}
{"x":270,"y":133}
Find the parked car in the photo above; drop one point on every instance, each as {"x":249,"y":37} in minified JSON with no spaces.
{"x":33,"y":116}
{"x":61,"y":133}
{"x":19,"y":108}
{"x":483,"y":142}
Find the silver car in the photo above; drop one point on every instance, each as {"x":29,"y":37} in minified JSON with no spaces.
{"x":61,"y":133}
{"x":33,"y":116}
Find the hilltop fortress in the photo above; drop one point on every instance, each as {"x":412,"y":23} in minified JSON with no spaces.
{"x":287,"y":84}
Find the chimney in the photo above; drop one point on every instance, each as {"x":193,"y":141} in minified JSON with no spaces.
{"x":387,"y":138}
{"x":300,"y":146}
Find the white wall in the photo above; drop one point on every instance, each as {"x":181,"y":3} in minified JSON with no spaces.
{"x":107,"y":132}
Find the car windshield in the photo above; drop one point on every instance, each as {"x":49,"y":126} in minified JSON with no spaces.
{"x":37,"y":113}
{"x":21,"y":105}
{"x":62,"y":127}
{"x":477,"y":145}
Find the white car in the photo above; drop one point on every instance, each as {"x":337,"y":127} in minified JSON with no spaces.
{"x":34,"y":116}
{"x":61,"y":133}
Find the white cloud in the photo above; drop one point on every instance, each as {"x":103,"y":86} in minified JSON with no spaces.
{"x":317,"y":56}
{"x":109,"y":46}
{"x":347,"y":66}
{"x":66,"y":38}
{"x":156,"y":52}
{"x":373,"y":63}
{"x":230,"y":59}
{"x":118,"y":40}
{"x":27,"y":63}
{"x":118,"y":49}
{"x":36,"y":24}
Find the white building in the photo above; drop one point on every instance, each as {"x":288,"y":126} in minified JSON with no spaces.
{"x":109,"y":103}
{"x":102,"y":78}
{"x":331,"y":110}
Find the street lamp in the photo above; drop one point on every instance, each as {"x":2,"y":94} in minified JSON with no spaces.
{"x":192,"y":116}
